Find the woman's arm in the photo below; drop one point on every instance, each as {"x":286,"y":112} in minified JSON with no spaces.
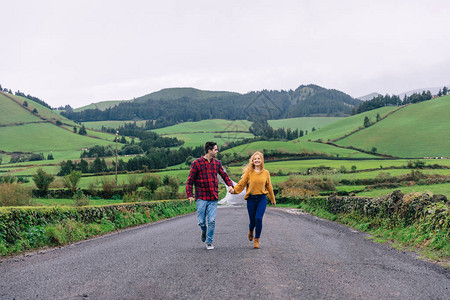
{"x":270,"y":190}
{"x":241,"y":184}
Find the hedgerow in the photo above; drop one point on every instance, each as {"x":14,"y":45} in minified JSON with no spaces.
{"x":416,"y":219}
{"x":27,"y":228}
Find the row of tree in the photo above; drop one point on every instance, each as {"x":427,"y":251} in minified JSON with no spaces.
{"x":261,"y":128}
{"x":388,"y":100}
{"x":28,"y":96}
{"x":31,"y":157}
{"x":155,"y":158}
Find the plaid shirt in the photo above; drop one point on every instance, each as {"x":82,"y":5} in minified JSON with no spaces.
{"x":204,"y":175}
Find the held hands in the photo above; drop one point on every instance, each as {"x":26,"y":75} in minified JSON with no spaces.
{"x":191,"y":199}
{"x":231,"y":190}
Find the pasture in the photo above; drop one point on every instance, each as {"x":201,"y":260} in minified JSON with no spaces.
{"x":46,"y":138}
{"x":304,"y":123}
{"x":417,"y":130}
{"x":97,"y":125}
{"x":296,"y":146}
{"x":13,"y":112}
{"x":346,"y":125}
{"x":213,"y":125}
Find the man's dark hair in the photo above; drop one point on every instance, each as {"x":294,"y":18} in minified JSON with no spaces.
{"x":209,"y":146}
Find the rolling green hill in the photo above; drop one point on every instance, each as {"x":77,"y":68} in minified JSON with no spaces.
{"x":416,"y":131}
{"x":296,"y":147}
{"x":304,"y":123}
{"x":212,"y":125}
{"x":177,"y":93}
{"x":22,"y":131}
{"x":97,"y":125}
{"x":346,"y":125}
{"x":13,"y":111}
{"x":100,"y":105}
{"x":173,"y":106}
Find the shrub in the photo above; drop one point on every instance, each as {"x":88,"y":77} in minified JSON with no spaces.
{"x":132,"y":197}
{"x":313,"y":184}
{"x":151,"y":182}
{"x":14,"y":194}
{"x":8,"y":179}
{"x":108,"y":186}
{"x":92,"y":188}
{"x":42,"y":180}
{"x":133,"y":184}
{"x":162,"y":193}
{"x":80,"y":199}
{"x":71,"y":181}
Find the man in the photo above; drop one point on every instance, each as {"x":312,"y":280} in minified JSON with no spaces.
{"x":203,"y":174}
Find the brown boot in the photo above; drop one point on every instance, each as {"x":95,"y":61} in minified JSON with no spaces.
{"x":256,"y":243}
{"x":250,"y":235}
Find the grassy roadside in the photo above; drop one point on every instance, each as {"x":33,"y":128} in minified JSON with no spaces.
{"x":24,"y":229}
{"x":432,"y":246}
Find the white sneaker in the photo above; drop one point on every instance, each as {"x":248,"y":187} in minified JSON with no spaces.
{"x":209,"y":246}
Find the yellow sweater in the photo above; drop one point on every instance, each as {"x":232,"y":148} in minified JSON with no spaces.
{"x":257,"y":183}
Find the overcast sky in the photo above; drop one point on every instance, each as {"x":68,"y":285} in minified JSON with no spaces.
{"x":84,"y":51}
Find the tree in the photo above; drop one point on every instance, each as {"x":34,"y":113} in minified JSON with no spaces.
{"x":444,"y":91}
{"x":366,"y":121}
{"x":75,"y":129}
{"x":374,"y":150}
{"x":82,"y":130}
{"x":66,"y":168}
{"x":35,"y":111}
{"x":25,"y":103}
{"x":83,"y":166}
{"x":71,"y":181}
{"x":353,"y":168}
{"x":378,"y":117}
{"x":42,"y":180}
{"x":96,"y":166}
{"x":50,"y":156}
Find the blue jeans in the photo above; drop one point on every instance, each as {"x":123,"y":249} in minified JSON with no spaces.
{"x":256,"y":206}
{"x":207,"y":208}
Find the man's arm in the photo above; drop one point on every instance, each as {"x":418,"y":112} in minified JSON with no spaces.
{"x":190,"y":182}
{"x":225,"y":175}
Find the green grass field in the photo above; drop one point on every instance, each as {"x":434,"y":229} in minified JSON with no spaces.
{"x":305,"y":123}
{"x":100,"y":105}
{"x":71,"y":202}
{"x":97,"y":125}
{"x":346,"y":125}
{"x":417,"y":130}
{"x":301,"y":166}
{"x":13,"y":112}
{"x":43,"y":111}
{"x":296,"y":147}
{"x":213,"y":125}
{"x":199,"y":138}
{"x":46,"y":137}
{"x":436,"y":189}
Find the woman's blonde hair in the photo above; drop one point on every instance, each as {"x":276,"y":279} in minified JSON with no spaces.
{"x":250,"y":167}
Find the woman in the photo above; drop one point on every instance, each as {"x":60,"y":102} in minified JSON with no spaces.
{"x":257,"y":181}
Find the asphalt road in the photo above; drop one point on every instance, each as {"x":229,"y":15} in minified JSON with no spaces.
{"x":301,"y":257}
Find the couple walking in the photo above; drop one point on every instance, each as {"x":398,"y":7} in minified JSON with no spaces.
{"x":255,"y":178}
